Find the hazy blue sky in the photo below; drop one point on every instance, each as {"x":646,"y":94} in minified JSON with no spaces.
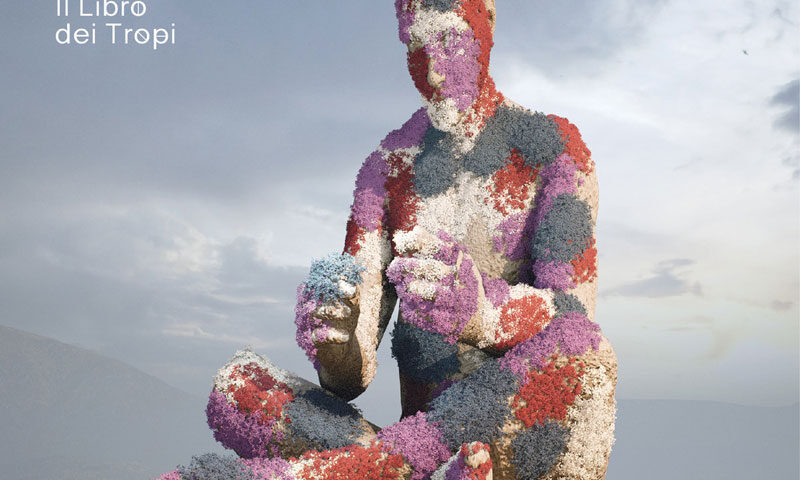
{"x":161,"y":207}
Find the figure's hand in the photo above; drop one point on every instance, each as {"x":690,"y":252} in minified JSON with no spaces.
{"x":336,"y":317}
{"x":425,"y":277}
{"x":439,"y":285}
{"x":327,"y":305}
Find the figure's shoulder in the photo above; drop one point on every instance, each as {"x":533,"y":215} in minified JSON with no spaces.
{"x":395,"y":150}
{"x":410,"y":134}
{"x":538,"y":132}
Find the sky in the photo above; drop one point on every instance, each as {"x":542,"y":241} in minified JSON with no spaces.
{"x":160,"y":207}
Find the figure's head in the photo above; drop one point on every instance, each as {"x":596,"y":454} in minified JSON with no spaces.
{"x":449,"y":44}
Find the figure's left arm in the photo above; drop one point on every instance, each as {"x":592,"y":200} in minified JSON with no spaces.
{"x":563,"y":255}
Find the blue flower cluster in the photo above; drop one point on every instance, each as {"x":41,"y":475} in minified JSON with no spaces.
{"x":565,"y":230}
{"x":475,"y":408}
{"x":325,"y":274}
{"x":423,"y":356}
{"x":567,"y":303}
{"x":436,"y":167}
{"x":441,"y":5}
{"x":537,"y":449}
{"x":324,"y":419}
{"x":535,"y":135}
{"x":212,"y":466}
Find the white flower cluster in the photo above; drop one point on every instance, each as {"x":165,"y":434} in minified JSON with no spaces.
{"x":375,"y":253}
{"x":590,"y":419}
{"x":461,"y":206}
{"x":429,"y":24}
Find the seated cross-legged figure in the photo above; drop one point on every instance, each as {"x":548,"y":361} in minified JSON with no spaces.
{"x":478,"y":216}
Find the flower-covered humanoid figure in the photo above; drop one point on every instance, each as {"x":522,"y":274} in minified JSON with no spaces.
{"x":479,"y":216}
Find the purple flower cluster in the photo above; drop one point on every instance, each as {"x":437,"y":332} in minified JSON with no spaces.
{"x":306,"y":323}
{"x":410,"y":134}
{"x":269,"y":469}
{"x":571,"y":334}
{"x":515,"y":236}
{"x":244,"y":434}
{"x":553,"y":274}
{"x":173,"y":475}
{"x":405,"y":18}
{"x":457,"y":59}
{"x":496,"y":290}
{"x":458,"y":470}
{"x":370,"y":192}
{"x":419,"y":442}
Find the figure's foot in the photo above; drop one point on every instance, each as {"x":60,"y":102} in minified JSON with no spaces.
{"x":472,"y":462}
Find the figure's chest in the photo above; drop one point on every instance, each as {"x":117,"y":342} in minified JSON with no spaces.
{"x":460,"y":210}
{"x":489,"y":214}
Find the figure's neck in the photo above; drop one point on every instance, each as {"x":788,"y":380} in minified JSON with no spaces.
{"x":465,"y":126}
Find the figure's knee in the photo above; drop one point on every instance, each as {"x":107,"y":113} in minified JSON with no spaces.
{"x":562,"y":423}
{"x":258,"y":410}
{"x":590,"y":419}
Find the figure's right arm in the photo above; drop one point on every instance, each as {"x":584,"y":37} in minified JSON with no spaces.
{"x":341,"y":337}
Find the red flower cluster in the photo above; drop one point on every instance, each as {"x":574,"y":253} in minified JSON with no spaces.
{"x":509,"y":187}
{"x":585,"y":264}
{"x":261,"y":392}
{"x":548,"y":393}
{"x":402,"y":214}
{"x":485,"y":106}
{"x":352,"y":463}
{"x":418,"y":65}
{"x":521,"y":318}
{"x":573,"y":144}
{"x":354,"y":237}
{"x":477,"y":16}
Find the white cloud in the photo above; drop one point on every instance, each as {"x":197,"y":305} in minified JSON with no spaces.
{"x":194,"y":330}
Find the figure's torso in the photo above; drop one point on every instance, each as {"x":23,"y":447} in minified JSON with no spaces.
{"x":485,"y":199}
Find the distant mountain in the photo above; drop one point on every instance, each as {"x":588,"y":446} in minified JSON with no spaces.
{"x":69,"y":413}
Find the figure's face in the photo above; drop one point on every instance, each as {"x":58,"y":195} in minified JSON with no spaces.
{"x":443,"y":54}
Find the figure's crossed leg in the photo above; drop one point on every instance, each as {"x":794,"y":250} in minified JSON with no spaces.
{"x":544,"y":416}
{"x":537,"y":416}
